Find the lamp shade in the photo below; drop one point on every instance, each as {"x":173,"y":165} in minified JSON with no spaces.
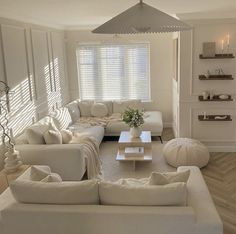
{"x":141,"y":18}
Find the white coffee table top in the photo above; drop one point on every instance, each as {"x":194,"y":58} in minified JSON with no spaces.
{"x":145,"y":137}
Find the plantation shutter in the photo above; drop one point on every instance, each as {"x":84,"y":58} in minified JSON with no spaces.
{"x":114,"y":72}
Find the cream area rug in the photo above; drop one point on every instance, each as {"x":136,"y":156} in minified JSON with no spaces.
{"x":114,"y":170}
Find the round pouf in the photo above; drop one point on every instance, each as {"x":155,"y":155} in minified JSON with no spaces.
{"x":186,"y":152}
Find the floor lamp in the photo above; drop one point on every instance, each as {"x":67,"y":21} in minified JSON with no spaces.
{"x":12,"y":159}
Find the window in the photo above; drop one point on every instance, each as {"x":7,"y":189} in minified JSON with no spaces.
{"x":113,"y":72}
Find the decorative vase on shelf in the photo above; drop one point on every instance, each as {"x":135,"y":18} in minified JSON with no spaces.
{"x":135,"y":132}
{"x":12,"y":160}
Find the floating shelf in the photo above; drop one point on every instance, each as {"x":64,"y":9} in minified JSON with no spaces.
{"x":218,"y":56}
{"x":212,"y":118}
{"x":216,"y":77}
{"x":215,"y":99}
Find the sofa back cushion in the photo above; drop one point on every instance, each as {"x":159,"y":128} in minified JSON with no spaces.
{"x":99,"y":110}
{"x":85,"y":108}
{"x":166,"y":195}
{"x":109,"y":106}
{"x":120,"y":106}
{"x":64,"y":193}
{"x":35,"y":133}
{"x":21,"y":139}
{"x":62,"y":118}
{"x":74,"y":111}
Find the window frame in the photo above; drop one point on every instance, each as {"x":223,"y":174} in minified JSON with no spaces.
{"x":80,"y":44}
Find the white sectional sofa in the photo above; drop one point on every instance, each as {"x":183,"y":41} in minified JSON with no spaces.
{"x":199,"y":216}
{"x":152,"y":119}
{"x":68,"y":159}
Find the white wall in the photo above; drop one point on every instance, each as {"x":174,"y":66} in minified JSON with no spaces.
{"x":161,"y":48}
{"x":32,"y":63}
{"x":219,"y":136}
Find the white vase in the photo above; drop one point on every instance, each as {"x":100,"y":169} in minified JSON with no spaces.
{"x":12,"y":160}
{"x":135,"y":132}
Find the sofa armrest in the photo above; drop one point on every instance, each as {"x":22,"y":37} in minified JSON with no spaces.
{"x":66,"y":159}
{"x":208,"y":220}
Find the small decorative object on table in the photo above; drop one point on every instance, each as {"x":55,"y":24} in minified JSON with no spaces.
{"x":134,"y":118}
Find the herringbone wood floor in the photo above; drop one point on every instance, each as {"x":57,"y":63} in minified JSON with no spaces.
{"x":220,"y":177}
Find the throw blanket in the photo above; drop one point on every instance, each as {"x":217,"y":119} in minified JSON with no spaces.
{"x":91,"y":150}
{"x":101,"y":121}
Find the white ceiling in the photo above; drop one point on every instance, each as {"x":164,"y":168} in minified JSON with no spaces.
{"x":88,"y":13}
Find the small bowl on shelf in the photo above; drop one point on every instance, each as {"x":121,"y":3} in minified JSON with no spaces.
{"x":223,"y":96}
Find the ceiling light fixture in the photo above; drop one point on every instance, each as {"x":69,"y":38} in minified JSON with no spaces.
{"x":141,"y":18}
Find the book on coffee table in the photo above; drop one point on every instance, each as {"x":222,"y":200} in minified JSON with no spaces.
{"x":134,"y":151}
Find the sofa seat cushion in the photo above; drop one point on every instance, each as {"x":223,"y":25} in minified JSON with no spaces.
{"x":152,"y":122}
{"x":95,"y":131}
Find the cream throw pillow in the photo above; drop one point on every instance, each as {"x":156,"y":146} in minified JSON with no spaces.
{"x":66,"y":136}
{"x":38,"y":173}
{"x":53,"y":177}
{"x":52,"y":137}
{"x":99,"y":110}
{"x":168,"y":177}
{"x":64,"y":193}
{"x":165,"y":195}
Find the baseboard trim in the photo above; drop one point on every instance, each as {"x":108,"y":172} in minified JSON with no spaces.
{"x":222,"y":148}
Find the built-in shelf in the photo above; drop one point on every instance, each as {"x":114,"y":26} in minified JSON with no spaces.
{"x":218,"y":56}
{"x":215,"y":77}
{"x":215,"y":99}
{"x":214,"y":118}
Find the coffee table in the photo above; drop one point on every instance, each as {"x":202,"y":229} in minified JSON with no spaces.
{"x":126,"y":140}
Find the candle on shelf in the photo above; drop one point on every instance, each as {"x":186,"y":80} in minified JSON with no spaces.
{"x":222,"y":45}
{"x":204,"y":115}
{"x":228,"y":37}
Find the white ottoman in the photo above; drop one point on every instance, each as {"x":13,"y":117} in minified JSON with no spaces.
{"x":186,"y":152}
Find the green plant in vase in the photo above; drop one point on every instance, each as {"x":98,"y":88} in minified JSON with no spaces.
{"x":134,"y":119}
